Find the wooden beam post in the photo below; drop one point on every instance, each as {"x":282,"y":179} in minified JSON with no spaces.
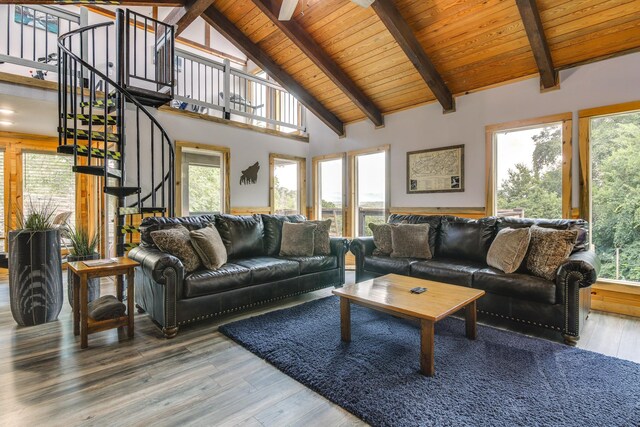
{"x":181,"y":17}
{"x":294,"y":31}
{"x":220,"y":22}
{"x":535,"y":33}
{"x":404,"y":36}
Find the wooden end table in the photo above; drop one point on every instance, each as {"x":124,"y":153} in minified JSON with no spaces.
{"x":83,"y":325}
{"x":391,"y":294}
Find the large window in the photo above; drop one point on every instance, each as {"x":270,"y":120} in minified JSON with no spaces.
{"x":529,"y":177}
{"x":369,"y":188}
{"x":287,"y":183}
{"x":614,"y":150}
{"x":203,"y":184}
{"x":48,"y":179}
{"x":329,"y":194}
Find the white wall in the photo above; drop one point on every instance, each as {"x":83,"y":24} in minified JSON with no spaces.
{"x":602,"y":83}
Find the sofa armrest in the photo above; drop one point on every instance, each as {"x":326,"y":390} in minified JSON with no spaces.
{"x":582,"y":267}
{"x":339,"y":248}
{"x":361,"y":247}
{"x":154,"y":264}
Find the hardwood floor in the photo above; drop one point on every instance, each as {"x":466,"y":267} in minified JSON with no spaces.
{"x":198,"y":378}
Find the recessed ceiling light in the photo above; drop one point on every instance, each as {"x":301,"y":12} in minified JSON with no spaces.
{"x":6,"y":111}
{"x":5,"y":123}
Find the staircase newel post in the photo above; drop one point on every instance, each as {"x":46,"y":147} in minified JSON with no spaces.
{"x":121,"y":73}
{"x":226,"y":84}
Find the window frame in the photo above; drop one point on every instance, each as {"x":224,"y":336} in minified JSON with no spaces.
{"x":226,"y":162}
{"x":302,"y":181}
{"x":353,"y":184}
{"x":317,"y":203}
{"x":585,"y":168}
{"x":491,"y":184}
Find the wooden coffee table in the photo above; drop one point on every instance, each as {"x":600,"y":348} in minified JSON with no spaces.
{"x":391,"y":294}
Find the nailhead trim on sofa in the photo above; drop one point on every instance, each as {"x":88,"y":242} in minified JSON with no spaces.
{"x":555,"y":328}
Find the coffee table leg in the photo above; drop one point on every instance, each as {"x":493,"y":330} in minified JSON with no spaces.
{"x":426,"y":347}
{"x":345,"y":319}
{"x":471,"y":320}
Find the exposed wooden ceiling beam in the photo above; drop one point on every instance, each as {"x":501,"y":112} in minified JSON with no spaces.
{"x":404,"y":36}
{"x":225,"y":27}
{"x":181,"y":17}
{"x":321,"y":59}
{"x":163,"y":3}
{"x":533,"y":26}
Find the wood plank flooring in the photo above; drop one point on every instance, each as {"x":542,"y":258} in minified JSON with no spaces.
{"x":198,"y":378}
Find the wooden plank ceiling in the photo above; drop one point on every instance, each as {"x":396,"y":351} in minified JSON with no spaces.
{"x":473,"y":44}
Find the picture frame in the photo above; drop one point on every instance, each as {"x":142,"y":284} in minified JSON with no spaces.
{"x":436,"y":170}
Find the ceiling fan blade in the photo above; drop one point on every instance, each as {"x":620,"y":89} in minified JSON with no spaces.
{"x":363,"y":3}
{"x":287,"y":9}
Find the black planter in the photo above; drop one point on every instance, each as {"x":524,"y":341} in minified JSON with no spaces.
{"x":35,"y":276}
{"x":93,"y":284}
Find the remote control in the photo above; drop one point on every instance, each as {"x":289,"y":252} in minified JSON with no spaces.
{"x":418,"y":290}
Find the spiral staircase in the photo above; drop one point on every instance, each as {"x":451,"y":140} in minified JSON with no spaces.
{"x":110,"y":76}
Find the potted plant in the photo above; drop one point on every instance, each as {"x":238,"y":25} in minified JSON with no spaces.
{"x":83,"y":247}
{"x":35,"y":268}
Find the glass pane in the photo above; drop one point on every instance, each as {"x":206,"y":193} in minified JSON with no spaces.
{"x":48,"y":178}
{"x":205,"y":189}
{"x":370,"y":191}
{"x":529,"y":172}
{"x":285,"y":187}
{"x":330,"y":185}
{"x":615,"y":194}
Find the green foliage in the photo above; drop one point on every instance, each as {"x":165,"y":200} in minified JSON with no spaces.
{"x":39,"y":216}
{"x":204,"y":189}
{"x":83,"y":244}
{"x":285,"y":200}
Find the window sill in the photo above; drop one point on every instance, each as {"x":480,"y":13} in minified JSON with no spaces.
{"x":616,"y":297}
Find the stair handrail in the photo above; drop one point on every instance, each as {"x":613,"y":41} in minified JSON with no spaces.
{"x":122,"y":90}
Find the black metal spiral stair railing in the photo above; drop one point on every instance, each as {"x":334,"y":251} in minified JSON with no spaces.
{"x":104,"y":124}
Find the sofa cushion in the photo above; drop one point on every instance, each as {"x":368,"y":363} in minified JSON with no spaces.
{"x":241,"y":235}
{"x":387,"y":265}
{"x":410,"y":241}
{"x":176,"y":241}
{"x":267,"y":269}
{"x":273,"y":231}
{"x":150,"y":224}
{"x":432,"y":220}
{"x":509,"y":249}
{"x":582,"y":226}
{"x":447,"y":270}
{"x":548,"y":250}
{"x":298,"y":239}
{"x":227,"y":277}
{"x":313,"y":264}
{"x":321,"y":240}
{"x":467,"y":240}
{"x":521,"y":286}
{"x":382,"y":238}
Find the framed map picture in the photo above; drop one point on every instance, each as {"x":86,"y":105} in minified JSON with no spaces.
{"x":437,"y":170}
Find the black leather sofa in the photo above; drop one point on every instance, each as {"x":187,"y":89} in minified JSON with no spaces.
{"x":253,"y":275}
{"x":460,"y":259}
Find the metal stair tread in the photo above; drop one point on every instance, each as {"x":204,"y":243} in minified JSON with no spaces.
{"x":121,"y":191}
{"x":96,"y":119}
{"x":83,"y":134}
{"x":82,"y":150}
{"x":97,"y":171}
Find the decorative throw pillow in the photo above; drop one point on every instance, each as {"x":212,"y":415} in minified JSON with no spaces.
{"x":209,"y":247}
{"x":322,"y":245}
{"x":176,"y":241}
{"x":509,"y":249}
{"x":410,"y":241}
{"x":297,"y":239}
{"x":548,"y":250}
{"x":382,"y":238}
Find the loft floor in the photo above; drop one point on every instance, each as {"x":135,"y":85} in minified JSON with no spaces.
{"x":200,"y":377}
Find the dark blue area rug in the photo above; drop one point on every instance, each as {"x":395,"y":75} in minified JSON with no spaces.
{"x":501,"y":379}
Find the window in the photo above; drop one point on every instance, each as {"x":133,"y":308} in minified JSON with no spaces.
{"x":49,"y":178}
{"x":287,"y":182}
{"x":529,"y":169}
{"x":203,"y":185}
{"x":329,"y":194}
{"x":610,"y":141}
{"x":369,"y":181}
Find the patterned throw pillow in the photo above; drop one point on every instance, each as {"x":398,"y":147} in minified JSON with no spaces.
{"x":322,"y":244}
{"x":548,"y":250}
{"x":176,"y":241}
{"x":508,"y":249}
{"x":382,"y":238}
{"x":209,"y":247}
{"x":297,"y":239}
{"x":410,"y":241}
